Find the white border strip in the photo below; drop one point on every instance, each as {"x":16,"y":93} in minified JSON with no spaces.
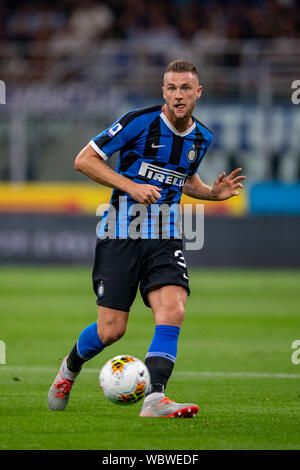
{"x":98,"y":150}
{"x":160,"y":169}
{"x":173,"y":129}
{"x":145,"y":166}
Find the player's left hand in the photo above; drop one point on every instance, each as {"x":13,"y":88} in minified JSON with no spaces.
{"x":227,"y":186}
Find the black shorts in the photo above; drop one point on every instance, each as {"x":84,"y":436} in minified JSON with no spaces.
{"x":121,"y":265}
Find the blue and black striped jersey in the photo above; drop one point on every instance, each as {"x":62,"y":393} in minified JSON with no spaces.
{"x":152,"y":151}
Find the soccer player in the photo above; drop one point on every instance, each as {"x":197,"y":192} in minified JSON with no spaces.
{"x":161,"y":148}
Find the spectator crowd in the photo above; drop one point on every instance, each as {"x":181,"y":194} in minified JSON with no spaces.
{"x":27,"y":20}
{"x":59,"y":28}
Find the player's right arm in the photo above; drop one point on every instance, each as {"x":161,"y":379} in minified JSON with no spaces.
{"x":90,"y":163}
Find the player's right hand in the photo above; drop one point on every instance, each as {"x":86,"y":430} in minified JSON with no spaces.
{"x":145,"y":193}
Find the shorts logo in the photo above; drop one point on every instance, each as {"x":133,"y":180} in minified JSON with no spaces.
{"x":191,"y":155}
{"x":113,"y":130}
{"x":101,"y":289}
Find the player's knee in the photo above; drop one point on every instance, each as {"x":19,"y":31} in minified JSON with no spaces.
{"x":177,"y":317}
{"x":109,"y":334}
{"x":172,"y":314}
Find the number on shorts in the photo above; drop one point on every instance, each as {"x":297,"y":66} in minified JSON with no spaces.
{"x":180,"y":258}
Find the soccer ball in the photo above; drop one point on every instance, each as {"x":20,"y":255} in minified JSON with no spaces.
{"x":124,"y":380}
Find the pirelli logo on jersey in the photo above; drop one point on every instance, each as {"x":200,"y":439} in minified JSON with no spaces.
{"x":163,"y":175}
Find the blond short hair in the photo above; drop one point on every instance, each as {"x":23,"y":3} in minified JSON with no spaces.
{"x":180,"y":66}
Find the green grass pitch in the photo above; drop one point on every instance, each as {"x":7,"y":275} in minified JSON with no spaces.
{"x":234,"y":361}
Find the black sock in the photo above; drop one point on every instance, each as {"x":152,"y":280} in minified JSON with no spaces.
{"x":160,"y":370}
{"x":74,"y":362}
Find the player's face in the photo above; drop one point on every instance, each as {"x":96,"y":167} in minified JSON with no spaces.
{"x":181,"y":91}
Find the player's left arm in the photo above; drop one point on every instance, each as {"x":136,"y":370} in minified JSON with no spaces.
{"x":223,"y":188}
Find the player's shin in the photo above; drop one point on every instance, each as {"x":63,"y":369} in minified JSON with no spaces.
{"x":87,"y":346}
{"x":161,"y":357}
{"x":160,"y":361}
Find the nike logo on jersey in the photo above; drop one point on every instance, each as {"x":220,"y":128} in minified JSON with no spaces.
{"x":163,"y":175}
{"x":156,"y":146}
{"x":185,"y":276}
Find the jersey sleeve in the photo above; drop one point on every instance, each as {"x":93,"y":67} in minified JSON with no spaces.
{"x":117,"y":136}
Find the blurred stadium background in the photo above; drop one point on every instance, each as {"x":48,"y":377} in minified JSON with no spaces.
{"x":72,"y":67}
